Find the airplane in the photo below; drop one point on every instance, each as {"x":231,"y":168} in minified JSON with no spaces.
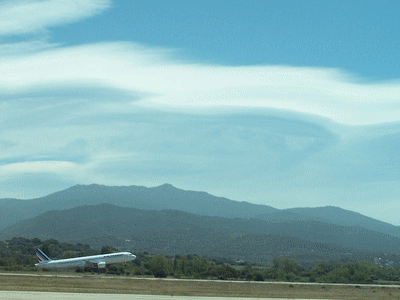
{"x":100,"y":260}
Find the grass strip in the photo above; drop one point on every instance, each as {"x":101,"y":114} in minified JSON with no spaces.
{"x":129,"y":285}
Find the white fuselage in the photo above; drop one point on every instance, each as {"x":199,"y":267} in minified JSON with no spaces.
{"x":99,"y":260}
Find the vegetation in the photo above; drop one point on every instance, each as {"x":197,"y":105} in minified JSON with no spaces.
{"x":171,"y":232}
{"x":134,"y":217}
{"x":18,"y":254}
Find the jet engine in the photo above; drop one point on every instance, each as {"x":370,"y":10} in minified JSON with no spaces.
{"x":101,"y":264}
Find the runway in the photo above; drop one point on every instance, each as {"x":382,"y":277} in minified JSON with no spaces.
{"x":15,"y":295}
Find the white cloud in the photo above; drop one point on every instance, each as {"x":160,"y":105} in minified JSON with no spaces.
{"x":29,"y":167}
{"x":177,"y":85}
{"x":21,"y":17}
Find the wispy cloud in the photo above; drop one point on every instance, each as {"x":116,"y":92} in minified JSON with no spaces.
{"x":183,"y":86}
{"x":21,"y":168}
{"x":22,"y":17}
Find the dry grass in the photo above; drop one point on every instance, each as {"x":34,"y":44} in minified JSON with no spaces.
{"x":129,"y":285}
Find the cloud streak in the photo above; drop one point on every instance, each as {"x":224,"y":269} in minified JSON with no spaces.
{"x":23,"y":17}
{"x":192,"y":87}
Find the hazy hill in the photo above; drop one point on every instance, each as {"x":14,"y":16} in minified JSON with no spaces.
{"x":168,"y":197}
{"x":330,"y":214}
{"x":176,"y":232}
{"x":156,"y":198}
{"x":344,"y":217}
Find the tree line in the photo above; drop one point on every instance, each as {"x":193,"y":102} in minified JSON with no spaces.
{"x":19,"y":254}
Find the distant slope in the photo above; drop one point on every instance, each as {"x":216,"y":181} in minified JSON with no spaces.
{"x":340,"y":216}
{"x":168,"y":197}
{"x":331,"y":215}
{"x":176,"y":232}
{"x":162,"y":197}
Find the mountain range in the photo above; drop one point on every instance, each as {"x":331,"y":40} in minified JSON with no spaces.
{"x":169,"y":220}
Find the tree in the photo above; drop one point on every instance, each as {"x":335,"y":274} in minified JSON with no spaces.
{"x":159,"y":266}
{"x":108,"y":249}
{"x":288,"y":265}
{"x":69,"y":254}
{"x":46,"y":248}
{"x":324,"y":268}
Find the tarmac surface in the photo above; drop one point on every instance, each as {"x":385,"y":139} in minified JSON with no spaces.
{"x":16,"y":295}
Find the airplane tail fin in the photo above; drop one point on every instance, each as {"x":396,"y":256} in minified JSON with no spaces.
{"x":41,"y":257}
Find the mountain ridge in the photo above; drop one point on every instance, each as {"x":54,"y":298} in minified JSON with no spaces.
{"x":176,"y":232}
{"x":167,"y":196}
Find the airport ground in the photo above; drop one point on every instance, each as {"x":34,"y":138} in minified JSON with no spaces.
{"x":73,"y":283}
{"x":7,"y":295}
{"x":4,"y":295}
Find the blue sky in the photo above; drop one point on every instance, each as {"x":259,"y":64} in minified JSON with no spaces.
{"x":284,"y":103}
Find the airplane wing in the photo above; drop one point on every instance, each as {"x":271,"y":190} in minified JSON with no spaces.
{"x":99,"y":264}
